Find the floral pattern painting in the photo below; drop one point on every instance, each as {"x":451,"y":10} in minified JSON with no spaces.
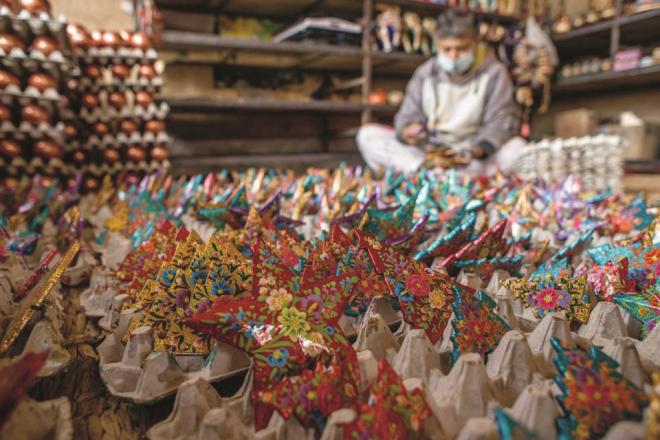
{"x":452,"y":241}
{"x":313,"y":395}
{"x":476,"y":327}
{"x":389,"y":411}
{"x":594,"y":395}
{"x":282,"y":325}
{"x":547,"y":294}
{"x":425,"y":295}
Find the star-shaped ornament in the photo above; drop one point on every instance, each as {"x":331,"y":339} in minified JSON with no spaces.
{"x":610,"y":279}
{"x":476,"y":327}
{"x":313,"y":395}
{"x":450,"y":242}
{"x":488,"y":245}
{"x":283,"y":325}
{"x":643,"y":306}
{"x":594,"y":395}
{"x":549,"y":293}
{"x":222,"y":212}
{"x":425,"y":295}
{"x":390,"y":411}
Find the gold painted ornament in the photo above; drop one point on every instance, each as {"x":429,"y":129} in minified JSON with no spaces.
{"x":30,"y":305}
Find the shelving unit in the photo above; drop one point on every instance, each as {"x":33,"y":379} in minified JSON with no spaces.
{"x":604,"y":81}
{"x":437,"y":8}
{"x":190,"y":47}
{"x":605,"y":39}
{"x":210,"y":105}
{"x":336,"y":122}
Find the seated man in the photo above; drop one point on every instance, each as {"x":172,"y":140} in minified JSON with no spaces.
{"x":458,"y":109}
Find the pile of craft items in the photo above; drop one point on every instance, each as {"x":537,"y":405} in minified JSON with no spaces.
{"x":350,"y":305}
{"x":75,"y":101}
{"x":598,"y":160}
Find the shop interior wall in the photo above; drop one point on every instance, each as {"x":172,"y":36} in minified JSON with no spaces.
{"x":95,"y":14}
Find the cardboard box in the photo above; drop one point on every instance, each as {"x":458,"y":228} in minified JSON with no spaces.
{"x":109,"y":15}
{"x":641,"y":138}
{"x":575,"y":123}
{"x":188,"y":21}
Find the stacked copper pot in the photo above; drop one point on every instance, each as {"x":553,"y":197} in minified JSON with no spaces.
{"x":35,"y":110}
{"x":121,"y":125}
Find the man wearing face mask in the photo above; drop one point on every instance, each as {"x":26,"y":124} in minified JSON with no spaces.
{"x":458,"y":110}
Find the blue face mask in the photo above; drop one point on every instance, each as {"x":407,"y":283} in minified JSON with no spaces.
{"x":459,"y":66}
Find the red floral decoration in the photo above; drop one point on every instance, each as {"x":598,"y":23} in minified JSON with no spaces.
{"x":390,"y":411}
{"x":283,"y":325}
{"x":424,"y":295}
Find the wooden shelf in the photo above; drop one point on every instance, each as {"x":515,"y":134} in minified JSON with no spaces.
{"x":279,"y":10}
{"x":291,"y":9}
{"x":610,"y":81}
{"x":651,"y":166}
{"x":297,"y":162}
{"x":180,"y":40}
{"x":213,"y":105}
{"x":201,"y":48}
{"x":425,"y":7}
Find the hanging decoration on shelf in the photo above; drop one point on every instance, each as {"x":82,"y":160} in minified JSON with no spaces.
{"x":533,"y":65}
{"x":148,"y":18}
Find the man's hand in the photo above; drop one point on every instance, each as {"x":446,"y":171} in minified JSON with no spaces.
{"x":478,"y":152}
{"x":413,"y":134}
{"x":445,"y":157}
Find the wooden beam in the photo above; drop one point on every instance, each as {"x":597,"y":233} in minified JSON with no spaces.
{"x":310,"y":8}
{"x":191,"y":149}
{"x":178,"y":40}
{"x":367,"y":60}
{"x":282,"y":161}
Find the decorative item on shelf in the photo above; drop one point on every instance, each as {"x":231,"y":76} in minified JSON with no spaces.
{"x":389,"y":28}
{"x":562,"y":22}
{"x":606,"y":9}
{"x":395,"y":97}
{"x":378,"y":97}
{"x":149,"y":20}
{"x":430,"y":29}
{"x":492,"y":33}
{"x":534,"y":62}
{"x":412,"y":32}
{"x":643,"y":5}
{"x":627,"y":59}
{"x":247,"y":27}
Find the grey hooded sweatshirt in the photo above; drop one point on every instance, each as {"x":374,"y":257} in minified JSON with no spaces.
{"x":475,"y":109}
